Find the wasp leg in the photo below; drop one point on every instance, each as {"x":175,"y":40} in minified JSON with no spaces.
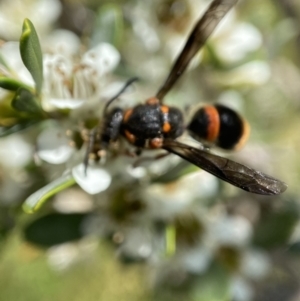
{"x":89,"y":149}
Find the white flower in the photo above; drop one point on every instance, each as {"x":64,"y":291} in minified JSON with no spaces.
{"x":70,"y":84}
{"x":235,"y":41}
{"x":62,"y":42}
{"x":241,"y":290}
{"x":104,"y":58}
{"x":166,"y":200}
{"x":71,"y":81}
{"x":255,"y":264}
{"x":253,"y":73}
{"x":15,"y":151}
{"x":197,"y":260}
{"x":137,"y":244}
{"x":229,"y":230}
{"x":63,"y":256}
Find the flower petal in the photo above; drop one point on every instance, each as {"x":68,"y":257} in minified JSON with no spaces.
{"x":11,"y":54}
{"x":233,"y":231}
{"x":241,"y":289}
{"x":94,"y":181}
{"x":243,"y":39}
{"x":137,"y":245}
{"x":197,"y":260}
{"x":104,"y":57}
{"x":63,"y":42}
{"x":65,"y":103}
{"x":255,"y":264}
{"x":53,"y":147}
{"x":14,"y":151}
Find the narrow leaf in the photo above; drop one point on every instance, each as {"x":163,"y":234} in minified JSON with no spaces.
{"x":3,"y":62}
{"x":170,"y":240}
{"x":46,"y":231}
{"x":6,"y":131}
{"x":11,"y":84}
{"x":25,"y":101}
{"x":109,"y":25}
{"x":214,"y":285}
{"x":276,"y":227}
{"x":37,"y":199}
{"x":31,"y":53}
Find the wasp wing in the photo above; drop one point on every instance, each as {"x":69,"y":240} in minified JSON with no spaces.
{"x":232,"y":172}
{"x":202,"y":30}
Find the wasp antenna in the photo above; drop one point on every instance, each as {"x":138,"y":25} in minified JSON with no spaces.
{"x":127,"y":84}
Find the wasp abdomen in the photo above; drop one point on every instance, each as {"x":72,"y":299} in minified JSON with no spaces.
{"x":219,"y":125}
{"x":173,"y":123}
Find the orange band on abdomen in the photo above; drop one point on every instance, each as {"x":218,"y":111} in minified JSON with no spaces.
{"x":213,"y":127}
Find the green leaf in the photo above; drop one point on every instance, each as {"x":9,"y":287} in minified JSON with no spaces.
{"x":25,"y":101}
{"x":6,"y":131}
{"x":276,"y":227}
{"x":213,"y":285}
{"x":54,"y":229}
{"x":11,"y":84}
{"x":7,"y":111}
{"x":109,"y":25}
{"x":170,"y":240}
{"x":294,"y":248}
{"x":37,"y":199}
{"x":3,"y":62}
{"x":31,"y":53}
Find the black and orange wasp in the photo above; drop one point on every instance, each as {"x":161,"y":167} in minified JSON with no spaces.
{"x":154,"y":125}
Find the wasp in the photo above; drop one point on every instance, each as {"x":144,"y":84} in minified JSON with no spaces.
{"x":155,"y":125}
